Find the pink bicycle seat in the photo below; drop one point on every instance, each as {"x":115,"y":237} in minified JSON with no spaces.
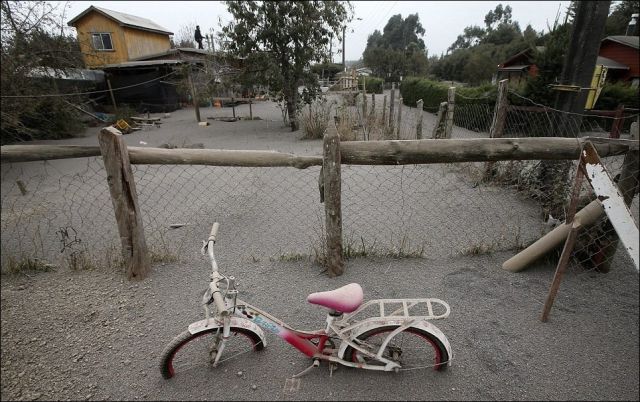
{"x":345,"y":299}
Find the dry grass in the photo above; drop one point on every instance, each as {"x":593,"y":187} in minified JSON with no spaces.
{"x":315,"y":119}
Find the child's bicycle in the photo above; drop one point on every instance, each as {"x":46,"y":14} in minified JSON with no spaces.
{"x":391,"y":340}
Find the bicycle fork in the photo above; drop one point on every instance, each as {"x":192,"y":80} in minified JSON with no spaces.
{"x":219,"y":344}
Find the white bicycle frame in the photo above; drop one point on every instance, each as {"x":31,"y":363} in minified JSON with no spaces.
{"x":240,"y":314}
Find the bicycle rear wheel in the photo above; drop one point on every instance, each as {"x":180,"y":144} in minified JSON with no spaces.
{"x":412,"y":348}
{"x":189,"y":351}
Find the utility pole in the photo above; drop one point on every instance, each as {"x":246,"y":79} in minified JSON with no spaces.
{"x":577,"y":72}
{"x":580,"y":59}
{"x":344,"y":28}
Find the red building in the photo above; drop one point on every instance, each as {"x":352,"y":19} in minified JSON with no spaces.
{"x":620,"y":54}
{"x":623,"y":50}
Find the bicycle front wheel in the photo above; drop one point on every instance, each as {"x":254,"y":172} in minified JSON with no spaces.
{"x":189,"y":351}
{"x":412,"y":348}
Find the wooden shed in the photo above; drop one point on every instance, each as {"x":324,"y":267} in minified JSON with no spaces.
{"x":625,"y":51}
{"x":111,"y":37}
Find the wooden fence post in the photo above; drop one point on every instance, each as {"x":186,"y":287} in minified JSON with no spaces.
{"x":498,"y":122}
{"x":616,"y":126}
{"x":438,"y":128}
{"x":332,"y":202}
{"x":451,"y":99}
{"x":373,"y":104}
{"x":364,"y":97}
{"x":384,"y":111}
{"x":500,"y":111}
{"x":125,"y":203}
{"x":391,"y":104}
{"x":419,"y":110}
{"x":399,"y":118}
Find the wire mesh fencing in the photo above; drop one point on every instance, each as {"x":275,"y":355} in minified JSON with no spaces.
{"x":272,"y":213}
{"x":60,"y":212}
{"x":63,"y":215}
{"x":57,"y":213}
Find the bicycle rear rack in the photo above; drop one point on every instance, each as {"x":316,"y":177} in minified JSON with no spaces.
{"x":414,"y":309}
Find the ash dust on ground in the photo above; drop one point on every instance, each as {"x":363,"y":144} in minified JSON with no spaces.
{"x":93,"y":335}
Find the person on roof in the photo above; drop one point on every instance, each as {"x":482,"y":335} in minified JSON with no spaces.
{"x":198,"y":37}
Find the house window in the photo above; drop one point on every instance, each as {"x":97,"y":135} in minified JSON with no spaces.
{"x":102,"y":41}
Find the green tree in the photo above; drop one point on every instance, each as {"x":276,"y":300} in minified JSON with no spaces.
{"x":618,"y":20}
{"x":290,"y":35}
{"x":475,"y":53}
{"x":34,"y":49}
{"x":399,"y":33}
{"x":472,"y":36}
{"x":478,"y":68}
{"x":398,"y":50}
{"x":549,"y":61}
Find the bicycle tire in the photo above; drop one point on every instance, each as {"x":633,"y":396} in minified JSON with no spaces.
{"x":432,"y":348}
{"x":193,"y":353}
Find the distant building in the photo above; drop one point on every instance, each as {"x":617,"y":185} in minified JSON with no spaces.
{"x":519,"y":66}
{"x":620,"y":54}
{"x":364,"y":71}
{"x":111,"y":37}
{"x":624,"y":51}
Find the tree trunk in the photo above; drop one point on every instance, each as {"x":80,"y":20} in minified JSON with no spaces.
{"x":292,"y":100}
{"x":578,"y":66}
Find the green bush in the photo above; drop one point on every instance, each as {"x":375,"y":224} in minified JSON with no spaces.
{"x":468,"y":101}
{"x":374,"y":85}
{"x":616,"y":94}
{"x":433,"y":93}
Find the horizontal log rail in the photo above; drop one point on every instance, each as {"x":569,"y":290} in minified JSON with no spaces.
{"x":469,"y":150}
{"x":29,"y":153}
{"x":219,"y":157}
{"x":354,"y":153}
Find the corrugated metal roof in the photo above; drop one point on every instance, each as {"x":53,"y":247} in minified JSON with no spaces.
{"x":144,"y":63}
{"x":631,"y":41}
{"x":172,"y":52}
{"x":75,"y":74}
{"x":124,"y":20}
{"x":513,"y":68}
{"x":612,"y":64}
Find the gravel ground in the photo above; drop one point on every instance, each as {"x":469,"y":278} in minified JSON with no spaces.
{"x":93,"y":335}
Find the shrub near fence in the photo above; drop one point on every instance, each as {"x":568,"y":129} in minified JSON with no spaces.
{"x":373,"y":84}
{"x":433,"y":93}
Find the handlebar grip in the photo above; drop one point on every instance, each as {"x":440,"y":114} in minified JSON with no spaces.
{"x":214,"y":232}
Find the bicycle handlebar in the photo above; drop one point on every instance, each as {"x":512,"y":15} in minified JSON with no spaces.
{"x":214,"y":232}
{"x":215,"y":276}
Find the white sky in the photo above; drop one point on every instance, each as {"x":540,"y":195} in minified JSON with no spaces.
{"x":442,"y":20}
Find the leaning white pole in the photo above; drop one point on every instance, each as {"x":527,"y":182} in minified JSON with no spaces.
{"x":585,"y":217}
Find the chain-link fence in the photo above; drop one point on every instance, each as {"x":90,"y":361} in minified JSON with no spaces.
{"x":60,"y":212}
{"x":57,"y":213}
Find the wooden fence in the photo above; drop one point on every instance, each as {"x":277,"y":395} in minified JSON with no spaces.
{"x":118,"y":158}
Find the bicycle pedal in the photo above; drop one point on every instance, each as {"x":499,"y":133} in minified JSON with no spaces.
{"x":333,"y":367}
{"x":315,"y":364}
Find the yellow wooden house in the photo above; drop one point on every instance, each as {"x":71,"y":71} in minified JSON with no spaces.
{"x":112,"y":37}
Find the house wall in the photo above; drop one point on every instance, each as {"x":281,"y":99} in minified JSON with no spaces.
{"x":127,"y":42}
{"x":94,"y":22}
{"x":141,"y":43}
{"x":622,"y":54}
